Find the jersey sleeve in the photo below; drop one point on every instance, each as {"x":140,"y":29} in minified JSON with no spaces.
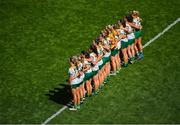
{"x":71,"y":72}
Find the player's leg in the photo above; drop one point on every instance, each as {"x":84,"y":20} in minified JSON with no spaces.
{"x":124,"y":46}
{"x":113,"y":64}
{"x":129,"y":51}
{"x":133,"y":52}
{"x":140,"y":47}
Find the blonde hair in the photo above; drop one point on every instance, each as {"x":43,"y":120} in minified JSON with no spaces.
{"x":135,"y":13}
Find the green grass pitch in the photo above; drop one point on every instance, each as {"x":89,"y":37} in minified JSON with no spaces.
{"x":38,"y":36}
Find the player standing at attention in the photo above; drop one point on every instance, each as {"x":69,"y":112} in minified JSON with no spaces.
{"x":79,"y":65}
{"x":131,"y":39}
{"x":124,"y":41}
{"x":138,"y":33}
{"x":118,"y":46}
{"x":88,"y":72}
{"x":95,"y":68}
{"x":106,"y":57}
{"x":112,"y":42}
{"x":101,"y":73}
{"x":75,"y":79}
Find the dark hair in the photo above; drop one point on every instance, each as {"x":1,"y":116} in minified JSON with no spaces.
{"x":94,"y":49}
{"x":72,"y":59}
{"x":129,"y":18}
{"x":86,"y":54}
{"x":114,"y":26}
{"x":97,"y":40}
{"x":123,"y":22}
{"x":107,"y":32}
{"x":103,"y":33}
{"x":83,"y":52}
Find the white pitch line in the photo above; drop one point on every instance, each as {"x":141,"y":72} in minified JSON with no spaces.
{"x":161,"y":33}
{"x":147,"y":44}
{"x":54,"y":115}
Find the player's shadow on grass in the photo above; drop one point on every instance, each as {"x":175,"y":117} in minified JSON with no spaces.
{"x":60,"y":95}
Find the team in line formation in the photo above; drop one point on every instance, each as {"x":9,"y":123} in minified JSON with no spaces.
{"x":118,"y":44}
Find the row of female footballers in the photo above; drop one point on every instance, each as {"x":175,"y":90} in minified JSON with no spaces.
{"x":90,"y":70}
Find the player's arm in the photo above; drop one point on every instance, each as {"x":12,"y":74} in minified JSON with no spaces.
{"x":125,"y":29}
{"x":86,"y":68}
{"x":122,"y":36}
{"x":71,"y":76}
{"x":133,"y":25}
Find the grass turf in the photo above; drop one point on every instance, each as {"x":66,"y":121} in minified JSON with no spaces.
{"x":37,"y":37}
{"x":146,"y":92}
